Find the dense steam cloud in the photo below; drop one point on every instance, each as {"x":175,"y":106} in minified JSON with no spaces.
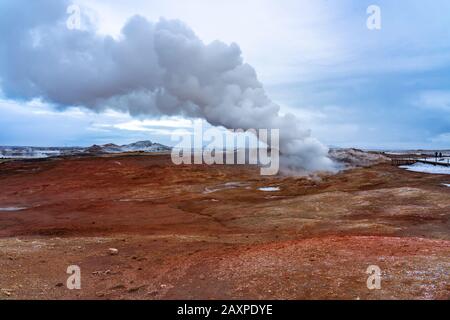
{"x":154,"y":69}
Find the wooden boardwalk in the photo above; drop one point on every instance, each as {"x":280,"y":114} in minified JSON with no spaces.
{"x":403,"y":162}
{"x":410,"y":161}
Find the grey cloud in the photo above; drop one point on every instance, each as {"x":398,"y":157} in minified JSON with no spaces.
{"x":159,"y":68}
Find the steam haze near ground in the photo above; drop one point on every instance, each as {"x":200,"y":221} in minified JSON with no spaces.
{"x":153,"y":69}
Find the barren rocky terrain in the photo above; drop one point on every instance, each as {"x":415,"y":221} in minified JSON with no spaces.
{"x":201,"y":232}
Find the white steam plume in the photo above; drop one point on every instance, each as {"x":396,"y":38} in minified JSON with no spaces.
{"x":153,"y":69}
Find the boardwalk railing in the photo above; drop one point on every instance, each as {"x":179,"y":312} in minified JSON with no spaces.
{"x":403,"y":162}
{"x":410,"y":161}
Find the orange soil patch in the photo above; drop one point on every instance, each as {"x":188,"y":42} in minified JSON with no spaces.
{"x":208,"y":232}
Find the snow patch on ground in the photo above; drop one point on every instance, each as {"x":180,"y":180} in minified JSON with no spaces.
{"x":427,"y":168}
{"x":445,"y":160}
{"x":269,"y":189}
{"x":225,"y":186}
{"x":9,"y":209}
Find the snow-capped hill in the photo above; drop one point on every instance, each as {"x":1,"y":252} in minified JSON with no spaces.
{"x":145,"y":146}
{"x":111,"y":148}
{"x":141,"y":146}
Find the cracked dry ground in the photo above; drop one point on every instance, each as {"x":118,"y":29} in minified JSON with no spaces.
{"x":201,"y":232}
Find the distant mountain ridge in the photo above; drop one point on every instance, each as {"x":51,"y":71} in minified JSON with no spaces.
{"x":15,"y":152}
{"x":140,"y":146}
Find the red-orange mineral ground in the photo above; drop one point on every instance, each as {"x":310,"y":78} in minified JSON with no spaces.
{"x":209,"y":232}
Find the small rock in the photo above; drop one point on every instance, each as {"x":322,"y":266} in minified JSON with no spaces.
{"x":98,"y":273}
{"x":202,"y":277}
{"x":99,"y":294}
{"x":119,"y":286}
{"x":134,"y":289}
{"x":6,"y":292}
{"x":113,"y":251}
{"x":152,"y":293}
{"x":59,"y":284}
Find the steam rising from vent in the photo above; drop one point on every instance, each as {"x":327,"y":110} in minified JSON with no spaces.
{"x":153,"y":69}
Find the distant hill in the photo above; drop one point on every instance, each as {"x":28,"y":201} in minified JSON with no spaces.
{"x":140,"y":146}
{"x":15,"y":152}
{"x":352,"y":158}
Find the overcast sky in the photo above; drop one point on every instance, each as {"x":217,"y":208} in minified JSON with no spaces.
{"x":352,"y":86}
